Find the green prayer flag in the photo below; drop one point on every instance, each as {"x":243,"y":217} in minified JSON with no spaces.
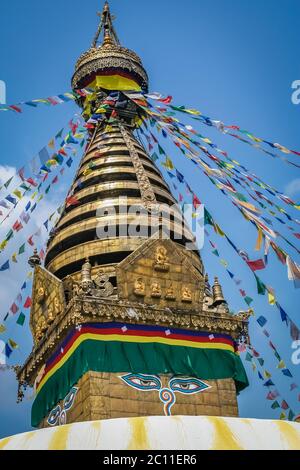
{"x":161,"y":150}
{"x":291,"y":416}
{"x":22,"y":249}
{"x":248,"y":300}
{"x":241,"y":197}
{"x":248,"y":357}
{"x":261,"y":361}
{"x":58,"y":136}
{"x":8,"y":182}
{"x":154,"y":157}
{"x":21,"y":319}
{"x":275,"y":405}
{"x":215,"y":252}
{"x":208,"y":220}
{"x":261,"y":288}
{"x":277,"y":356}
{"x":9,"y":235}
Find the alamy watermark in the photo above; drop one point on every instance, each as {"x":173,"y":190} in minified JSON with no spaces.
{"x":2,"y":92}
{"x":2,"y":353}
{"x":126,"y":221}
{"x":296,"y":94}
{"x":296,"y":354}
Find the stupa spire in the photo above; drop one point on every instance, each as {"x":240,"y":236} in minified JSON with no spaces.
{"x":106,"y":25}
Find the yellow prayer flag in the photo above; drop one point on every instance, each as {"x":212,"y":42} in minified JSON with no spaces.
{"x":259,"y":240}
{"x":168,"y":164}
{"x":282,"y":415}
{"x":224,"y":263}
{"x":267,"y":374}
{"x":271,"y":298}
{"x":13,"y":344}
{"x":51,"y":144}
{"x":40,"y":198}
{"x":3,"y":244}
{"x":101,"y":111}
{"x":14,"y":258}
{"x":34,"y":194}
{"x":18,"y":193}
{"x":218,"y":230}
{"x":281,"y":365}
{"x":2,"y":328}
{"x":193,"y":111}
{"x":87,"y":172}
{"x":51,"y":162}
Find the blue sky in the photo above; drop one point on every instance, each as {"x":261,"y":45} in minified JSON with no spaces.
{"x":234,"y":61}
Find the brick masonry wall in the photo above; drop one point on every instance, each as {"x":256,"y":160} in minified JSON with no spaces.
{"x":105,"y":396}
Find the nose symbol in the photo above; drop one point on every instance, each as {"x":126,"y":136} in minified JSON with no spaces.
{"x":168,"y":398}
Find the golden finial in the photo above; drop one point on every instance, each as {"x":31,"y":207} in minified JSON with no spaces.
{"x":106,"y":23}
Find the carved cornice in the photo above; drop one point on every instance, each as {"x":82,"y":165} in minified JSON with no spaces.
{"x":88,"y":309}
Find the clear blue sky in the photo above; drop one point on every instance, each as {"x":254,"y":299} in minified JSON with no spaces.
{"x":234,"y":60}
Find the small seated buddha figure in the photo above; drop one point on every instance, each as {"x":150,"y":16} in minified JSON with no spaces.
{"x":155,"y":290}
{"x":161,"y":259}
{"x":139,"y":287}
{"x":186,"y":295}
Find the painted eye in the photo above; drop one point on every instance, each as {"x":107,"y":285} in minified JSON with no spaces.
{"x":69,"y":399}
{"x":188,"y":385}
{"x":142,"y":382}
{"x":53,"y":416}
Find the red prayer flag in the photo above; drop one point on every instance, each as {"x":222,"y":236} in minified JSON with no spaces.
{"x":284,"y":405}
{"x":31,"y":181}
{"x":14,"y":308}
{"x":256,"y":265}
{"x":62,"y":152}
{"x":30,"y":241}
{"x":15,"y":108}
{"x":27,"y":303}
{"x":52,"y":101}
{"x":71,"y":201}
{"x":166,"y":100}
{"x":17,"y":226}
{"x":196,"y":202}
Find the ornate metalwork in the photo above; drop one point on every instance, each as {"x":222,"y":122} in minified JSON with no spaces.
{"x":147,"y":192}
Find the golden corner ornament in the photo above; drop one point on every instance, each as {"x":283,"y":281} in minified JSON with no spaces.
{"x":133,"y":349}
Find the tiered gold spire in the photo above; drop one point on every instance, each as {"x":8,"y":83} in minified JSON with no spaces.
{"x":107,"y":296}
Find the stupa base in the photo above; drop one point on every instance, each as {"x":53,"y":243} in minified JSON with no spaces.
{"x":162,"y":433}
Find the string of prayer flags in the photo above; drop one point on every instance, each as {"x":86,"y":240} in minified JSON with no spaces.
{"x":219,"y":125}
{"x":262,"y":289}
{"x":260,"y":226}
{"x":52,"y":100}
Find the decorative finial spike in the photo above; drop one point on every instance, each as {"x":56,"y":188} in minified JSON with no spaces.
{"x":106,"y":23}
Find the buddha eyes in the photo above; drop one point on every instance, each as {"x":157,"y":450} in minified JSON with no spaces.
{"x":69,"y":399}
{"x":59,"y":415}
{"x":142,"y":382}
{"x":54,"y":415}
{"x":187,"y":385}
